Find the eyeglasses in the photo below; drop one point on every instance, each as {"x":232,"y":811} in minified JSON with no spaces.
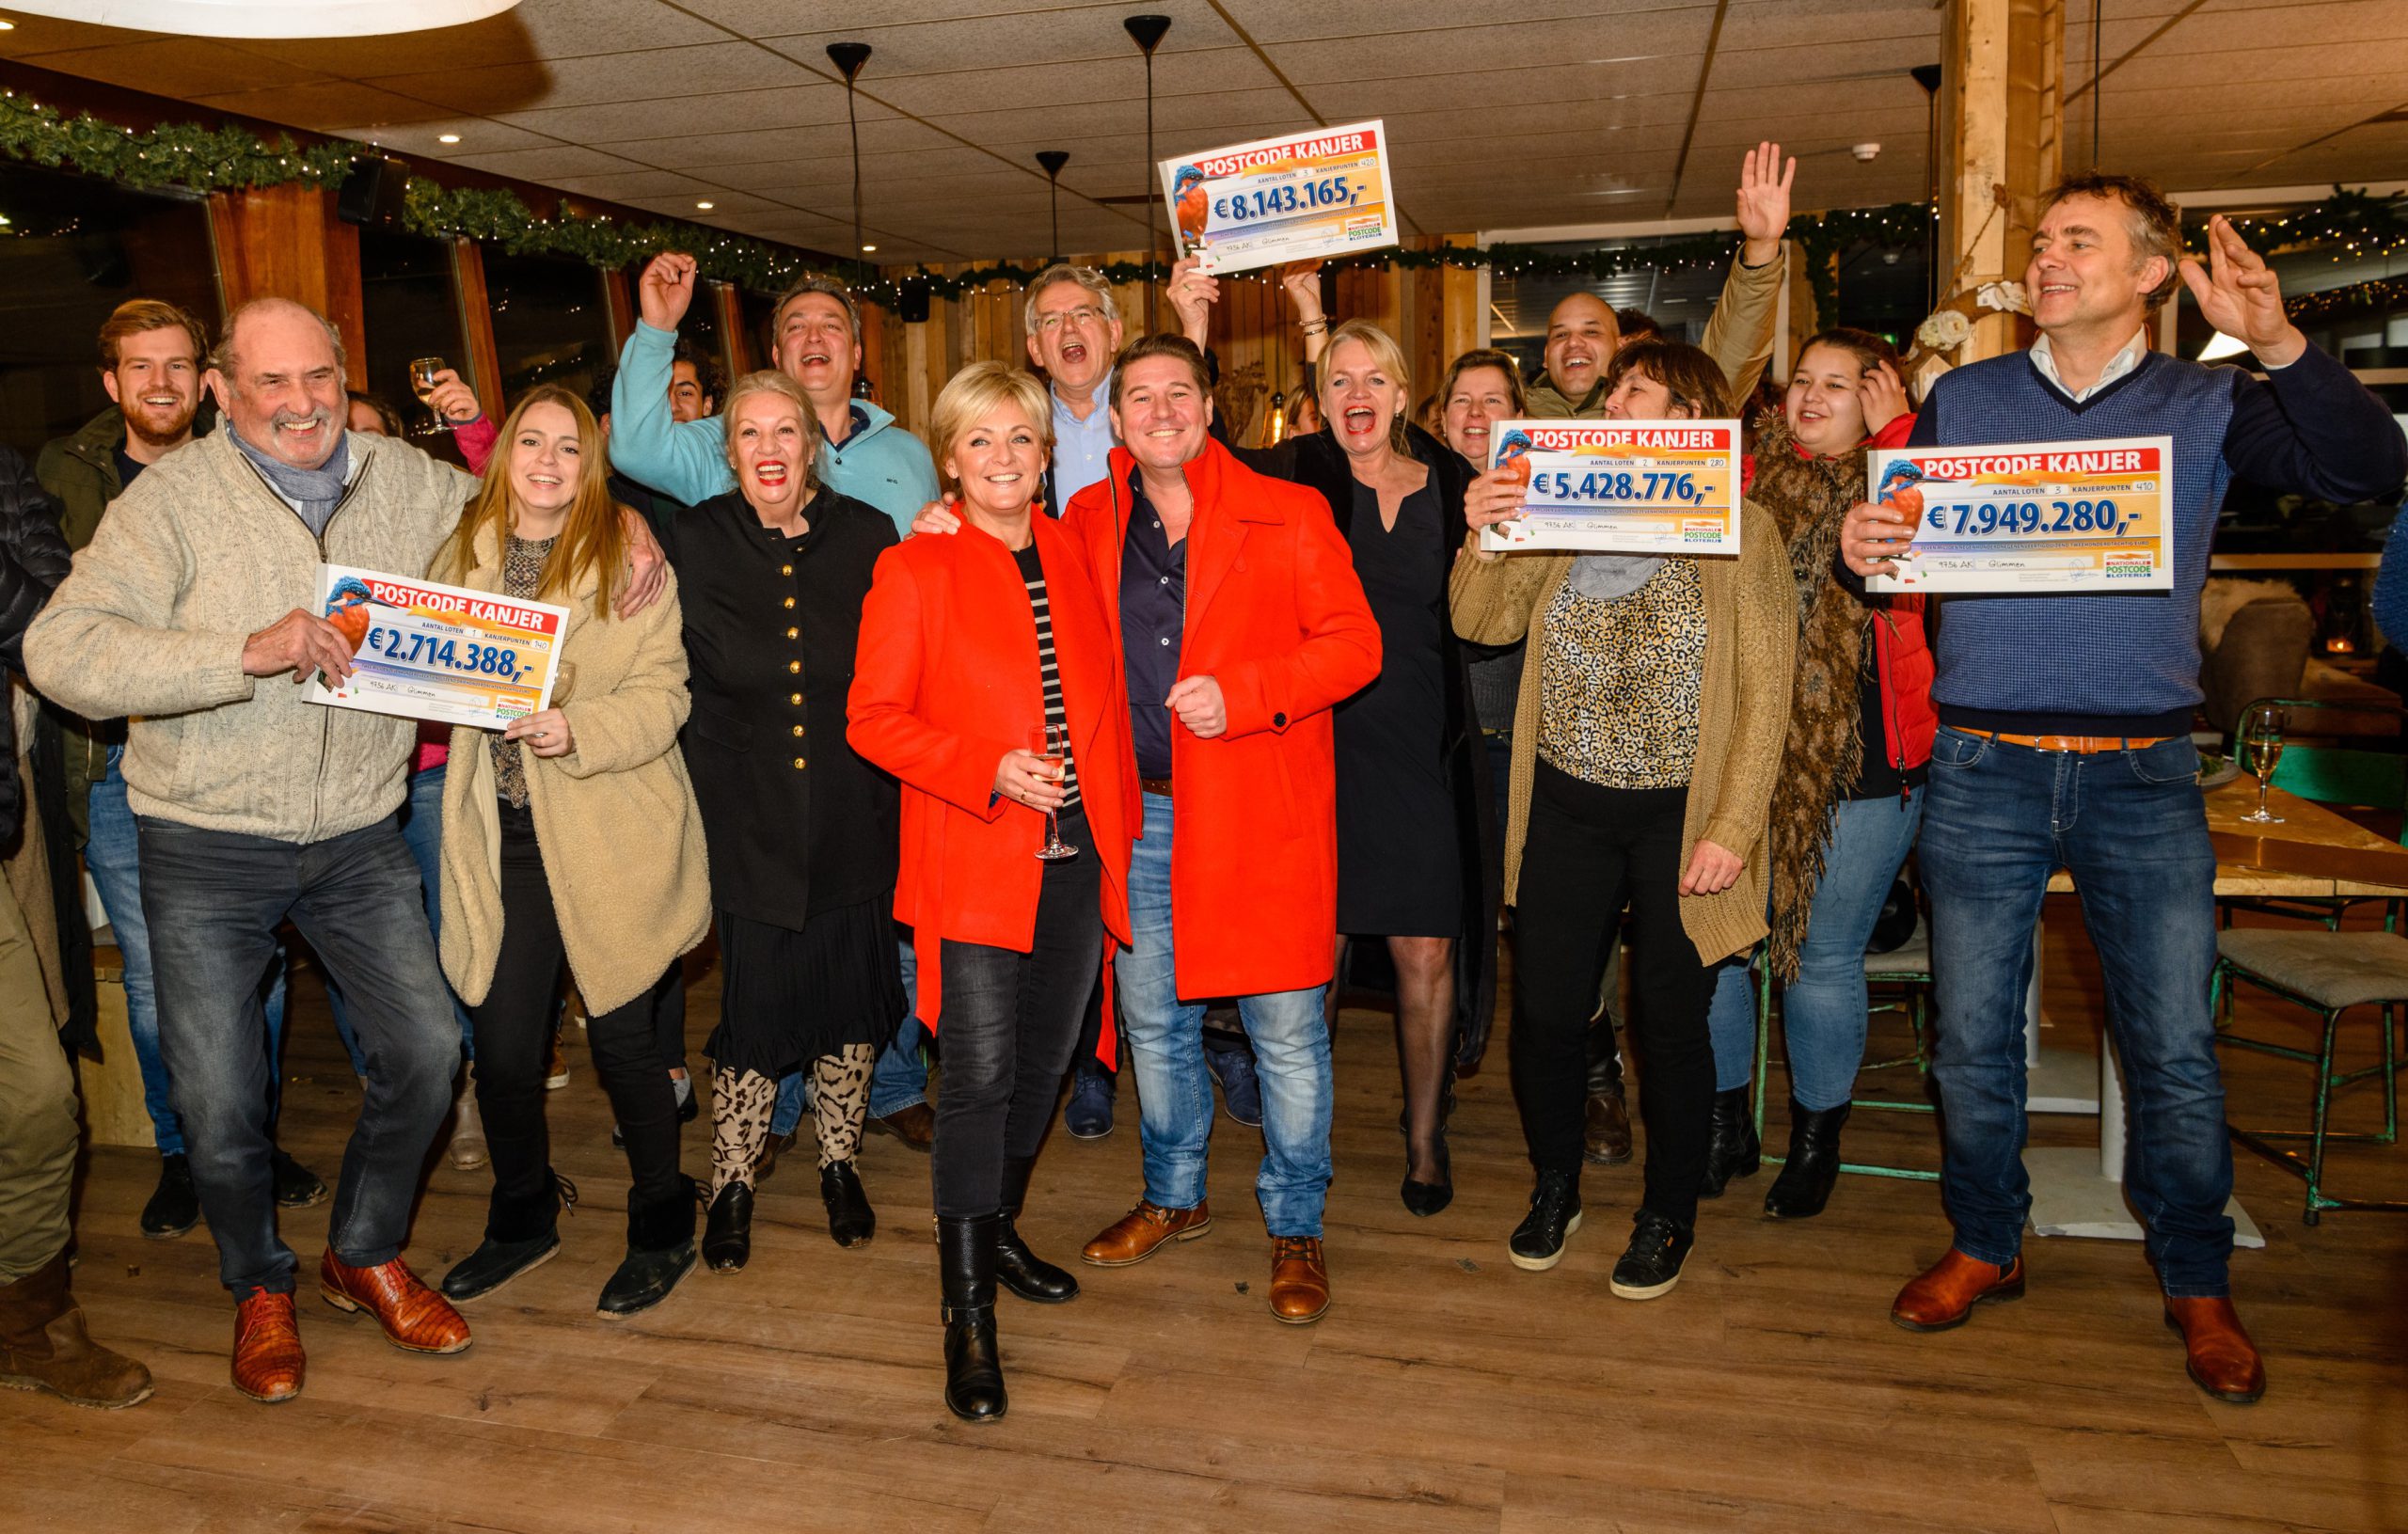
{"x":1085,"y":314}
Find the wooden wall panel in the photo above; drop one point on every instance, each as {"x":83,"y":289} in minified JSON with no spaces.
{"x":285,"y":242}
{"x":484,"y":371}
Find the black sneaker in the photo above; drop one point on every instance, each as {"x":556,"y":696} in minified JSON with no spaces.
{"x":1555,"y":1214}
{"x":643,"y":1280}
{"x":296,"y":1186}
{"x":174,"y":1207}
{"x":495,"y":1264}
{"x":1652,"y":1264}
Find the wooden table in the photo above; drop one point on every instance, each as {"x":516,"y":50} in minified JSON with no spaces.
{"x":2072,"y":1194}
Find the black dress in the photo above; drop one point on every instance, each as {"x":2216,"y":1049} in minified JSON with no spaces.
{"x":802,"y":833}
{"x":1398,"y":858}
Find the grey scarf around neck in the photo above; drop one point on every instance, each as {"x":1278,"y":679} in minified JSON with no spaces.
{"x":318,"y":490}
{"x":1607,"y":577}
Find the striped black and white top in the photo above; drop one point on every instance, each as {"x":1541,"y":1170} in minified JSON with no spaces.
{"x":1032,"y":572}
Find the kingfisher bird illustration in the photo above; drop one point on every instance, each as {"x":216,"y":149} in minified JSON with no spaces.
{"x":347,"y":609}
{"x":1898,"y":476}
{"x":1195,"y":209}
{"x":1513,"y":450}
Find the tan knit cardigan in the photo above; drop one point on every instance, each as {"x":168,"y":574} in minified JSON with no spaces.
{"x":1743,"y":709}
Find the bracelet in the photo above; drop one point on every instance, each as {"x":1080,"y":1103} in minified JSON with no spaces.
{"x":1312,"y":328}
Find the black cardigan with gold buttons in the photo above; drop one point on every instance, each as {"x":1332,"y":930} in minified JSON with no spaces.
{"x":797,"y":823}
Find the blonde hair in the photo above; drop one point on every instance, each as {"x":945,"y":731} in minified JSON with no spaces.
{"x":592,"y":538}
{"x":977,"y":390}
{"x":1388,"y":356}
{"x":770,"y":381}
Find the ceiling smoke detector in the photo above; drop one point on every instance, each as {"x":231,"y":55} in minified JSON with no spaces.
{"x":1864,"y":151}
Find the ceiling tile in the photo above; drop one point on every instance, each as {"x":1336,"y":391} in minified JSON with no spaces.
{"x":663,"y":74}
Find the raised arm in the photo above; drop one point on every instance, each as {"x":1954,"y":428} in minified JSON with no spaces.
{"x":686,"y":460}
{"x":1739,"y":335}
{"x":881,"y":714}
{"x":1339,"y":653}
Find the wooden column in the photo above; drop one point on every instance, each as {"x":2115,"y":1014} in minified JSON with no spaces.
{"x":2000,"y":142}
{"x":1459,"y":304}
{"x":735,"y":346}
{"x":285,"y":242}
{"x":619,"y":294}
{"x":482,"y":369}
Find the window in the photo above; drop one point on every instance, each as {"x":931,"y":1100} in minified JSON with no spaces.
{"x":411,"y":309}
{"x":72,"y":250}
{"x":550,"y":321}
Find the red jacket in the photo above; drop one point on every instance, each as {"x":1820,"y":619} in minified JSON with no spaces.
{"x":945,"y":683}
{"x":1275,"y":615}
{"x":1901,"y":650}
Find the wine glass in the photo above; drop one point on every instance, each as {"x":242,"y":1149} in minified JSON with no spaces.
{"x":1048,"y":743}
{"x":422,"y":372}
{"x":2261,"y":747}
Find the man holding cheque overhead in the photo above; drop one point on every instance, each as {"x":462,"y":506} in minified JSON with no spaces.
{"x":2064,"y":738}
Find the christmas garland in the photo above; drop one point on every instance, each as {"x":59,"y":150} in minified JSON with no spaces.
{"x":502,"y":219}
{"x":173,"y":154}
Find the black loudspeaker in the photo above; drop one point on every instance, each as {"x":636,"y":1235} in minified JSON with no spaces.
{"x":371,"y":194}
{"x":912,"y":302}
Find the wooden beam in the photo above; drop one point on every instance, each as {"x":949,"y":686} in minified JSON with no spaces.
{"x":619,"y":294}
{"x":1459,"y":304}
{"x":2001,"y":119}
{"x":484,"y":361}
{"x":285,"y":242}
{"x":735,"y":347}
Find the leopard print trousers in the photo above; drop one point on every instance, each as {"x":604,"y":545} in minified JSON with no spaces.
{"x":840,"y":1100}
{"x":740,"y":1109}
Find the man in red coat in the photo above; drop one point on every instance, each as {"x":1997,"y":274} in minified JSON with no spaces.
{"x":1240,"y":626}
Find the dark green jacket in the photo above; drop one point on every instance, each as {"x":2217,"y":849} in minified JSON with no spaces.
{"x":80,"y":473}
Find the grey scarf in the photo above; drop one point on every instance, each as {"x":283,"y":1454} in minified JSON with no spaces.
{"x":1607,"y":577}
{"x":317,"y":491}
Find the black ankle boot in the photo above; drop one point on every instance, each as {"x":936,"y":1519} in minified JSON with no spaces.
{"x":1812,"y":1168}
{"x":727,"y":1236}
{"x":850,"y":1220}
{"x":973,"y":1371}
{"x":1023,"y":1271}
{"x":1732,"y":1149}
{"x":521,"y":1235}
{"x":660,"y":1251}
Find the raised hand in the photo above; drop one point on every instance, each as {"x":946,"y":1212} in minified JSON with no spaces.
{"x":1192,"y":293}
{"x":2238,"y":294}
{"x":1301,"y":282}
{"x":665,"y":289}
{"x":1884,"y":396}
{"x":451,"y":399}
{"x":1763,"y":201}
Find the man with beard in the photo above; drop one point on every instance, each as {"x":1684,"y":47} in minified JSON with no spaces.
{"x":150,"y":358}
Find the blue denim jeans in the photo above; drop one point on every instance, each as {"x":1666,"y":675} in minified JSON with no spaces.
{"x":1823,"y":1010}
{"x":215,"y":900}
{"x":115,"y":862}
{"x":1164,"y":1034}
{"x":421,"y":820}
{"x":2132,"y":828}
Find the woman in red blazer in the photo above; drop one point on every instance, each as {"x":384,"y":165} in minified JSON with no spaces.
{"x":982,"y":657}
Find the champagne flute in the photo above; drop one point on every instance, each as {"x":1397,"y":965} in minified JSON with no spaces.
{"x":1050,"y":745}
{"x":2261,"y":747}
{"x":422,"y":372}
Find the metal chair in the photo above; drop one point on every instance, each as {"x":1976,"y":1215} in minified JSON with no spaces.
{"x":2326,"y":970}
{"x":1908,"y":965}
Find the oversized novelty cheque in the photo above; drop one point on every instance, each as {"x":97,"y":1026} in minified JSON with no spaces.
{"x":2032,"y":517}
{"x":427,"y":651}
{"x":1620,"y":487}
{"x":1298,"y":198}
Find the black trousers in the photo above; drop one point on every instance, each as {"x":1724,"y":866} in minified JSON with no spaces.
{"x":1010,"y":1022}
{"x":514,"y":1026}
{"x":1590,"y":853}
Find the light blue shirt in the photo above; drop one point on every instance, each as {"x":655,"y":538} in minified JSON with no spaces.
{"x":1082,"y":448}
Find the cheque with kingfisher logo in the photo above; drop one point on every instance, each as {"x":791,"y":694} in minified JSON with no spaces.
{"x":2031,"y":518}
{"x":446,"y":654}
{"x":1302,"y":197}
{"x":1620,"y":487}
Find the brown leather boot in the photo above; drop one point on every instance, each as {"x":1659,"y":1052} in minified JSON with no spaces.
{"x":1945,"y":1294}
{"x":915,"y":1126}
{"x":2222,"y":1361}
{"x":1609,"y":1137}
{"x":415,"y":1318}
{"x":43,"y":1346}
{"x":1299,"y":1280}
{"x":1137,"y":1235}
{"x":268,"y":1362}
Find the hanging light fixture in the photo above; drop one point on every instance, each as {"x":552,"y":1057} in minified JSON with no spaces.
{"x":1054,"y":160}
{"x":271,"y":18}
{"x":1147,"y":32}
{"x":850,"y":57}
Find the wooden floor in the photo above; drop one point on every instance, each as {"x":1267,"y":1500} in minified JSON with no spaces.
{"x":1446,"y":1390}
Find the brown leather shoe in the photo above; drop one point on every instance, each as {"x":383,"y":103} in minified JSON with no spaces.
{"x":267,"y":1348}
{"x":915,"y":1126}
{"x":2222,"y":1361}
{"x":43,"y":1345}
{"x":1609,"y":1137}
{"x":415,"y":1318}
{"x":1299,"y":1280}
{"x":1134,"y":1236}
{"x":1945,"y":1294}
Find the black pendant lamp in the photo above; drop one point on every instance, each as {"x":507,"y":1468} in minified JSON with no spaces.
{"x":1148,"y":31}
{"x":1054,"y":160}
{"x":850,"y":57}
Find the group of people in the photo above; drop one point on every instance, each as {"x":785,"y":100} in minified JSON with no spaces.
{"x":1052,"y":733}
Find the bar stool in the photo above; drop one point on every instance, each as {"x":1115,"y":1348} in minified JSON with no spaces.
{"x":1908,"y":965}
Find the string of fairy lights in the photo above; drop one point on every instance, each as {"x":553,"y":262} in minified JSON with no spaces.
{"x":2350,"y":225}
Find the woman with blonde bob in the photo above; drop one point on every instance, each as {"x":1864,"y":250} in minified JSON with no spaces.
{"x":801,"y":829}
{"x":571,"y":841}
{"x":987,"y":685}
